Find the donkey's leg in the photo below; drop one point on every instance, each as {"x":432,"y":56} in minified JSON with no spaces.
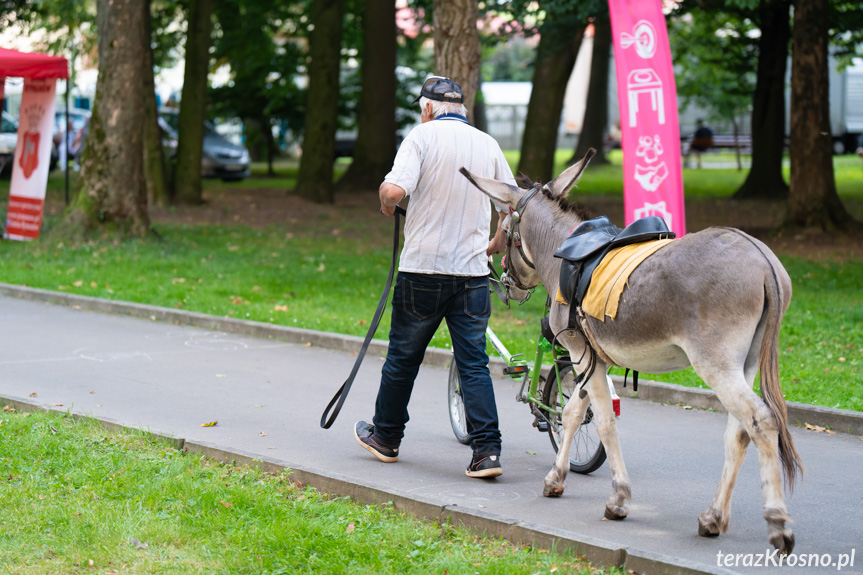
{"x":573,"y":415}
{"x":742,"y":403}
{"x":603,"y":412}
{"x":715,"y":519}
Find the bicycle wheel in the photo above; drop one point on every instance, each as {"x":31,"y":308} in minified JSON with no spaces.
{"x":456,"y":406}
{"x":587,"y":453}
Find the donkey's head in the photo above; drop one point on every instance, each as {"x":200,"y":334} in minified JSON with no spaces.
{"x":520,"y":273}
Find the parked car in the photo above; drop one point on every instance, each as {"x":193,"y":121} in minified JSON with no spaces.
{"x":221,"y":157}
{"x":8,"y":139}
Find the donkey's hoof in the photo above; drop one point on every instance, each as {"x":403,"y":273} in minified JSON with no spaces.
{"x":779,"y":534}
{"x":783,"y":542}
{"x":553,"y":489}
{"x":615,"y":512}
{"x":709,"y":525}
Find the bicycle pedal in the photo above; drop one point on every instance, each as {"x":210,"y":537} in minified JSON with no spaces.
{"x":540,"y":425}
{"x":512,"y":370}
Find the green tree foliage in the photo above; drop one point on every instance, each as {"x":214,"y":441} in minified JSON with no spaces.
{"x":263,"y":44}
{"x":508,"y":61}
{"x":715,"y":55}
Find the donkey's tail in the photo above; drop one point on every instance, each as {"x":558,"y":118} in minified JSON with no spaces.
{"x":768,"y":364}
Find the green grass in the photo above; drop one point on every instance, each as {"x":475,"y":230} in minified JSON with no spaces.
{"x":79,"y":499}
{"x":327,"y":275}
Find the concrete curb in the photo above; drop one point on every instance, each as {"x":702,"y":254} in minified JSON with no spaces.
{"x":843,"y":420}
{"x":599,"y":552}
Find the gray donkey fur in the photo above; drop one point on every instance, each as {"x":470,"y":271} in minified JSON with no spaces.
{"x":713,"y":300}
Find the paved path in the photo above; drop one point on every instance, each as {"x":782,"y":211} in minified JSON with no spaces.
{"x":268,"y":396}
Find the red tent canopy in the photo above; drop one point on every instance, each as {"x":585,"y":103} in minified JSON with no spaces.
{"x":32,"y":65}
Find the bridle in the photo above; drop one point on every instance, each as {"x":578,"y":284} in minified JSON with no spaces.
{"x":513,"y":240}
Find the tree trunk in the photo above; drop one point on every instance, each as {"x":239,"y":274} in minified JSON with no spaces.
{"x":255,"y":140}
{"x":812,"y":201}
{"x":193,"y":104}
{"x":456,"y":45}
{"x":315,"y":181}
{"x":376,"y":122}
{"x":555,"y":59}
{"x":155,"y":169}
{"x":765,"y":179}
{"x":111,"y":194}
{"x":595,"y":124}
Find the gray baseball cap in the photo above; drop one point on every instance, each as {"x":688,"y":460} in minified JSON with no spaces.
{"x":441,"y":89}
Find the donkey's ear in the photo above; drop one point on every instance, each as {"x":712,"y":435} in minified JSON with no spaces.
{"x":501,"y":192}
{"x":561,"y":185}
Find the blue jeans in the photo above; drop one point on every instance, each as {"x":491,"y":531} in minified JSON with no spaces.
{"x":420,"y":303}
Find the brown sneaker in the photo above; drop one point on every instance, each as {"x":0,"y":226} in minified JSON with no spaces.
{"x":365,"y":435}
{"x":485,"y":466}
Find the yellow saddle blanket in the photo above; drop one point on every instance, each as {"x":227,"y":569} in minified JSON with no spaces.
{"x":610,"y":277}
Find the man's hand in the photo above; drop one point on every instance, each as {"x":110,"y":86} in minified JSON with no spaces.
{"x":390,"y":195}
{"x":498,"y":243}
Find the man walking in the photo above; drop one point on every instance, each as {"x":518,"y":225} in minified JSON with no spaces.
{"x":443,"y":271}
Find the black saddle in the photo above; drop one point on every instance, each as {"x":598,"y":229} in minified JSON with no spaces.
{"x":589,"y":243}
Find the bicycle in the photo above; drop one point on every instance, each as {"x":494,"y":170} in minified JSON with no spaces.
{"x":546,"y":398}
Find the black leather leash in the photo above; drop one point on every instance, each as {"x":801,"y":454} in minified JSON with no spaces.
{"x":339,"y":398}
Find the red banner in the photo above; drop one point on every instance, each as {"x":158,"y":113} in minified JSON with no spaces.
{"x":24,"y":217}
{"x":652,"y":174}
{"x":32,"y":159}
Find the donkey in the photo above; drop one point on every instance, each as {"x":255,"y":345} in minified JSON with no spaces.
{"x":712,"y":299}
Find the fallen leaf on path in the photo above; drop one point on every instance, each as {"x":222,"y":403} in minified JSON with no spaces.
{"x":819,"y":429}
{"x":57,"y":404}
{"x":34,"y":394}
{"x":262,"y":434}
{"x":211,"y":424}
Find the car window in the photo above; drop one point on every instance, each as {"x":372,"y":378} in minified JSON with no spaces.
{"x":9,"y":126}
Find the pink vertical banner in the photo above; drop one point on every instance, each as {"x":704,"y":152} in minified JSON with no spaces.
{"x":652,"y":175}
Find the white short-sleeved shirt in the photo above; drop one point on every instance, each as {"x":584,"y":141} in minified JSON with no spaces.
{"x":448,"y":219}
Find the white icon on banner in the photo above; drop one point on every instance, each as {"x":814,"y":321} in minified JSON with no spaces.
{"x":649,"y":148}
{"x":638,"y":82}
{"x":657,"y":209}
{"x":643,"y":38}
{"x":651,"y":176}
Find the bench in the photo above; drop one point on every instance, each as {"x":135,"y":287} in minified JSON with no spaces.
{"x":723,"y":141}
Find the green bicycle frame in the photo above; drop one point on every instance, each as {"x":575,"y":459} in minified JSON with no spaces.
{"x":519,"y":370}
